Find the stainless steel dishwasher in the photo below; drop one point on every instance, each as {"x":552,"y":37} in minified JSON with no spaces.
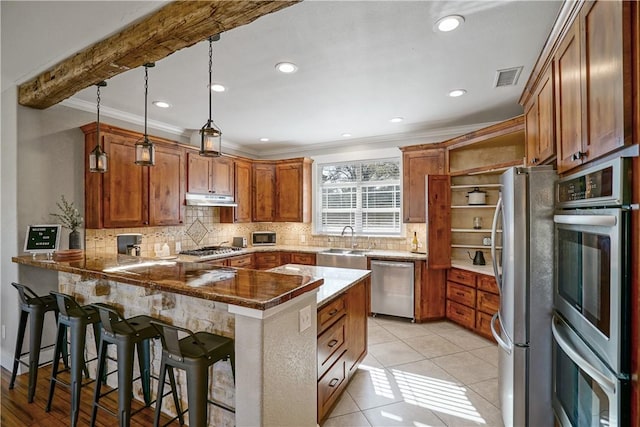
{"x":392,"y":288}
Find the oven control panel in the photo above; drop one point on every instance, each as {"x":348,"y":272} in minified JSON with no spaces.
{"x":602,"y":185}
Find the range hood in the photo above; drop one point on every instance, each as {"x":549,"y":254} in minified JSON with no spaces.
{"x":196,"y":199}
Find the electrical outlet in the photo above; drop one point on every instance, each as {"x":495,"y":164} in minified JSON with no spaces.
{"x":178,"y":247}
{"x":303,"y":238}
{"x":305,"y":318}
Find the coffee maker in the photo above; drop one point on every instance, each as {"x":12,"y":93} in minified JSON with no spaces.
{"x":129,"y":244}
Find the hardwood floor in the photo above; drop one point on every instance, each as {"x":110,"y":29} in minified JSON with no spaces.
{"x":17,"y":412}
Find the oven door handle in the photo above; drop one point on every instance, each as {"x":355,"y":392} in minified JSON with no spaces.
{"x":580,"y":361}
{"x":505,"y":346}
{"x":595,"y":220}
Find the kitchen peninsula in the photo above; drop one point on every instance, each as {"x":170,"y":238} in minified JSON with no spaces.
{"x":271,"y":317}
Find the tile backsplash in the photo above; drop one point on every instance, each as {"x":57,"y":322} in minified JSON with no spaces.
{"x":215,"y":233}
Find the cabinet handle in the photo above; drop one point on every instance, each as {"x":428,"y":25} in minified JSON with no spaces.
{"x":578,"y":155}
{"x":332,"y":343}
{"x":534,"y":161}
{"x":460,"y":294}
{"x":333,"y":312}
{"x":334,"y":382}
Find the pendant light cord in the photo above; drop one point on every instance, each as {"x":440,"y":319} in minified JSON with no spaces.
{"x":210,"y":74}
{"x":98,"y":120}
{"x":146,"y":89}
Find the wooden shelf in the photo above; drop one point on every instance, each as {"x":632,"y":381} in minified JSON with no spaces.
{"x":474,"y":246}
{"x":473,"y":206}
{"x":493,"y":169}
{"x":467,"y":186}
{"x":473,"y":230}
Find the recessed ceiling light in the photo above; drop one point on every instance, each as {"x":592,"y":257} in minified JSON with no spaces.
{"x":161,"y":104}
{"x":396,"y":119}
{"x":448,"y":23}
{"x":346,"y":135}
{"x":286,"y":67}
{"x":457,"y":92}
{"x":264,"y":139}
{"x":217,"y":87}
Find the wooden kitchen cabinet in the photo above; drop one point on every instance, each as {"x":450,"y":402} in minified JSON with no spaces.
{"x":242,"y":194}
{"x":266,"y":260}
{"x":282,"y":191}
{"x":417,"y":163}
{"x":240,"y":261}
{"x":438,"y":197}
{"x":128,"y":195}
{"x":342,"y":343}
{"x":302,"y":258}
{"x":209,"y":174}
{"x":263,"y":192}
{"x":594,"y":83}
{"x":540,"y":121}
{"x":472,"y":300}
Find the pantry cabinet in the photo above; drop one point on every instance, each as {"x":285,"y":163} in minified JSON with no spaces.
{"x":128,"y":195}
{"x":417,"y":163}
{"x":594,"y":83}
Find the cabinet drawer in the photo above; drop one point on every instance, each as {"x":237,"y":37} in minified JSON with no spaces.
{"x":330,"y":385}
{"x":461,"y":293}
{"x":461,"y":314}
{"x":331,"y":345}
{"x":305,"y":259}
{"x":244,"y":261}
{"x":487,"y":302}
{"x":217,"y":262}
{"x":331,"y":312}
{"x":483,"y":324}
{"x":487,"y":283}
{"x":462,"y":276}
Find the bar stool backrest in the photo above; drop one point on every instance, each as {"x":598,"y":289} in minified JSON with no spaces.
{"x":23,"y":292}
{"x":65,"y":302}
{"x":108,"y":316}
{"x":169,"y":335}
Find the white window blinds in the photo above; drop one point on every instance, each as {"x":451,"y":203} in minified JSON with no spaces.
{"x":364,"y":194}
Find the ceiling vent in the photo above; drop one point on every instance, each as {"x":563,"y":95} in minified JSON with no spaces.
{"x":507,"y":76}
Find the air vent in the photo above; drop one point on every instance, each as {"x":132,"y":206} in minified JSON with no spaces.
{"x":507,"y":76}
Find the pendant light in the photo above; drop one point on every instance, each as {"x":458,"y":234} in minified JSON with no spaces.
{"x":98,"y":158}
{"x":145,"y":150}
{"x":210,"y":134}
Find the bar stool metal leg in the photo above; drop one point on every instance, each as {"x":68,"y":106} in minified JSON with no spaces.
{"x":22,"y":327}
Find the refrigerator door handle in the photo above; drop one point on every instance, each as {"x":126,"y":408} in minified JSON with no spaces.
{"x":506,"y":347}
{"x":494,"y":234}
{"x":581,"y":362}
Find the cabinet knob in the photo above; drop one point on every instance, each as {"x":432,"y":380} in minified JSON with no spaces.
{"x":578,"y":155}
{"x":534,"y":161}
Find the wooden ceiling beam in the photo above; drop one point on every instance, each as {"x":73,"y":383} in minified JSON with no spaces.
{"x":173,"y":27}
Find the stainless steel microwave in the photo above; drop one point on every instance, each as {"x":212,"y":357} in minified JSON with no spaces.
{"x":263,"y":238}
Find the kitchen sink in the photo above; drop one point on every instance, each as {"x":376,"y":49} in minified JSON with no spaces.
{"x":342,"y":258}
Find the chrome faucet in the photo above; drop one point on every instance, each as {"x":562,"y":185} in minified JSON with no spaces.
{"x":353,"y":245}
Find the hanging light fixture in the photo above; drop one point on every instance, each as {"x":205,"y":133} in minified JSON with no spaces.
{"x":211,"y":135}
{"x":98,"y":158}
{"x":145,"y":150}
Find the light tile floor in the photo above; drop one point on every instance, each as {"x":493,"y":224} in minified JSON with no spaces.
{"x":419,"y":375}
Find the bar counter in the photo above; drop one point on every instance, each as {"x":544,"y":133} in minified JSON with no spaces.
{"x":253,"y":289}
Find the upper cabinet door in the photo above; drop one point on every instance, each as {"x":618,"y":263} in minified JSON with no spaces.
{"x":197,"y":173}
{"x":221,"y":176}
{"x":166,"y":187}
{"x":539,"y":121}
{"x":263,"y":192}
{"x":416,"y":165}
{"x":569,"y":101}
{"x":125,"y":185}
{"x":606,"y":120}
{"x":290,"y":193}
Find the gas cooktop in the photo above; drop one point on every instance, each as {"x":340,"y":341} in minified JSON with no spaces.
{"x":208,"y":251}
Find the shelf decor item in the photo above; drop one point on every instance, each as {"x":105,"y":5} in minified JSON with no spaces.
{"x":145,"y":150}
{"x":210,"y":134}
{"x":70,"y":218}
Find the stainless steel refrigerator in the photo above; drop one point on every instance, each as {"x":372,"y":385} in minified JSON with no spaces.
{"x":524,"y":272}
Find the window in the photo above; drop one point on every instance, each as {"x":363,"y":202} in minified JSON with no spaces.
{"x":364,"y":194}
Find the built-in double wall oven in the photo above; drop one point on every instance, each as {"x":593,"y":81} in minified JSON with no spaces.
{"x":591,"y":335}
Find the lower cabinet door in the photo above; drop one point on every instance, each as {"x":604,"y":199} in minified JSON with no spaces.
{"x":483,"y":325}
{"x":461,"y":314}
{"x":329,"y":387}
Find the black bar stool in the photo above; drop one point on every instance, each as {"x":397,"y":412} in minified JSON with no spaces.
{"x":194,"y":353}
{"x":37,"y":307}
{"x":76,"y":318}
{"x":125,"y":334}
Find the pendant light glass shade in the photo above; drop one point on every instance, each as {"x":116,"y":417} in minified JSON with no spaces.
{"x":145,"y":150}
{"x":97,"y":157}
{"x":210,"y":134}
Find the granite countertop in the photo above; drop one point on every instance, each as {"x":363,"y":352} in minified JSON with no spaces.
{"x":336,"y":280}
{"x":467,"y":264}
{"x":247,"y":288}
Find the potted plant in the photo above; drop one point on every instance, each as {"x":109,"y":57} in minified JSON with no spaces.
{"x":70,"y":218}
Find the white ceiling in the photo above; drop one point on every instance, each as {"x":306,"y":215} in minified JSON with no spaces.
{"x":360,"y":64}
